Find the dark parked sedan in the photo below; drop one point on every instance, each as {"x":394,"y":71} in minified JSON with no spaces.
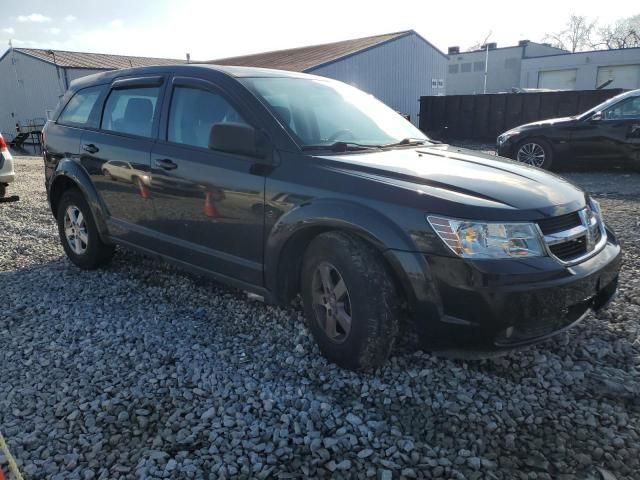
{"x":285,"y":184}
{"x":609,"y":131}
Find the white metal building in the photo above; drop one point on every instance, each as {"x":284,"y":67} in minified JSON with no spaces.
{"x":32,"y":80}
{"x":466,"y":70}
{"x":583,"y":70}
{"x":397,"y":68}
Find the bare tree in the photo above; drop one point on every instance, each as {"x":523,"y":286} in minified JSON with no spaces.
{"x":576,"y":36}
{"x":624,"y":33}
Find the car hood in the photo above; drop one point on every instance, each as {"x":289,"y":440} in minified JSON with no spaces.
{"x":485,"y":186}
{"x":550,"y":122}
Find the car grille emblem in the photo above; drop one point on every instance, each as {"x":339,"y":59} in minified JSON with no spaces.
{"x":590,"y":222}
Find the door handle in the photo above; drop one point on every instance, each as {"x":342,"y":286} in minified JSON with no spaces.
{"x":166,"y":164}
{"x":90,"y":147}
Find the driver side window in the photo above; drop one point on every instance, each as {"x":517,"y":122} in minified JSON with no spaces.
{"x":628,"y":109}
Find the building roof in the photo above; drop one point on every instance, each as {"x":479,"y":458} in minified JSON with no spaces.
{"x":589,"y":52}
{"x":529,"y":42}
{"x":93,"y":60}
{"x":305,"y":58}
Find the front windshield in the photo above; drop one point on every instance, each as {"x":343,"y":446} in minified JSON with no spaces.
{"x":320,"y":112}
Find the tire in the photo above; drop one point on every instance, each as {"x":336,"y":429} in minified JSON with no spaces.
{"x":3,"y":190}
{"x":371,"y":301}
{"x":95,"y":253}
{"x":526,"y":152}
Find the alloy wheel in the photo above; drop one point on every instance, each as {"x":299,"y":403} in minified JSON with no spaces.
{"x":331,"y":302}
{"x":75,"y":230}
{"x":531,"y":154}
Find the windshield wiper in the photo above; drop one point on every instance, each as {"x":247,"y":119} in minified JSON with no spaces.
{"x":405,"y":142}
{"x":341,"y":146}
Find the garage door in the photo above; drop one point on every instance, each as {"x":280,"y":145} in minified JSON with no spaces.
{"x":621,"y":76}
{"x":558,"y":79}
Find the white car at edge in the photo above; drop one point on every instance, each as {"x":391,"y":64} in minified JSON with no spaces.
{"x":7,"y":174}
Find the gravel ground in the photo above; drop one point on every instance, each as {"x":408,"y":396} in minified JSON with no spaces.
{"x":142,"y":371}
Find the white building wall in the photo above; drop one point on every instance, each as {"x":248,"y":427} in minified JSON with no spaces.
{"x":465,"y":75}
{"x":398,"y":72}
{"x":586,"y":65}
{"x":28,"y":87}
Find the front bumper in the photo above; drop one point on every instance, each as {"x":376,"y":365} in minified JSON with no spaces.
{"x":493,"y":305}
{"x":506,"y":149}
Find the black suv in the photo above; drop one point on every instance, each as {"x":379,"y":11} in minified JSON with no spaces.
{"x":607,"y":133}
{"x":283,"y":184}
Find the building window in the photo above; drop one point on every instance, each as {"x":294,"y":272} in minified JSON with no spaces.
{"x":478,"y":66}
{"x":465,"y":67}
{"x":434,"y":83}
{"x":440,"y":83}
{"x":453,"y":68}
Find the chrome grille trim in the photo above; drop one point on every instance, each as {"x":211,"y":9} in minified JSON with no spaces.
{"x":586,"y":230}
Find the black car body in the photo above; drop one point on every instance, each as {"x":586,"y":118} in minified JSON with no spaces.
{"x":250,"y":207}
{"x":607,"y":133}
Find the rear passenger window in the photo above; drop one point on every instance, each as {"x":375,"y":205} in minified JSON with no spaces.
{"x":193,"y":112}
{"x":131,"y":111}
{"x":78,"y":110}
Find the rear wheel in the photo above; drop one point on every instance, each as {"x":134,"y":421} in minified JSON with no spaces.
{"x":535,"y":152}
{"x":79,"y":234}
{"x":3,"y":190}
{"x":350,"y":301}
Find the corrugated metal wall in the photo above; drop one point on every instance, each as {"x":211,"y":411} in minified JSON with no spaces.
{"x":28,"y":87}
{"x":398,"y":72}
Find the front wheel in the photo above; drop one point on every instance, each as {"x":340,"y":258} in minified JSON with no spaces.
{"x":79,"y":234}
{"x":535,"y":152}
{"x":350,"y":301}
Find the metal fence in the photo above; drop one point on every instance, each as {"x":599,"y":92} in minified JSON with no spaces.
{"x":484,"y":117}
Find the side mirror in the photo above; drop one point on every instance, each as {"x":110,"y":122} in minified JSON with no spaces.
{"x":240,"y":139}
{"x":596,"y":117}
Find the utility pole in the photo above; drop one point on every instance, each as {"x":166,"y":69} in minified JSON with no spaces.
{"x":486,"y":60}
{"x":486,"y":66}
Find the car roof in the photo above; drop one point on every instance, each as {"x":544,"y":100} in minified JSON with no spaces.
{"x":192,"y":68}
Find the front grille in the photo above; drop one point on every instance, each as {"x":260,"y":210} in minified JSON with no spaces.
{"x":598,"y":236}
{"x":560,"y":223}
{"x":570,"y":249}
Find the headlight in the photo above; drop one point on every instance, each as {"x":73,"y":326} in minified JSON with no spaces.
{"x":506,"y":136}
{"x":473,"y":239}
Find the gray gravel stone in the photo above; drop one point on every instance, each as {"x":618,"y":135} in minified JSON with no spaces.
{"x":140,"y":370}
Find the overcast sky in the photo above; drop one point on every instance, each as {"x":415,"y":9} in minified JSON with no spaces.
{"x":212,"y":29}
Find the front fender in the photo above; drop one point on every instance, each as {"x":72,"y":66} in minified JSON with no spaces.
{"x":322,"y":215}
{"x":67,"y":171}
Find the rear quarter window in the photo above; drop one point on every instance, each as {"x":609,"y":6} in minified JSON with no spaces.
{"x":78,"y":112}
